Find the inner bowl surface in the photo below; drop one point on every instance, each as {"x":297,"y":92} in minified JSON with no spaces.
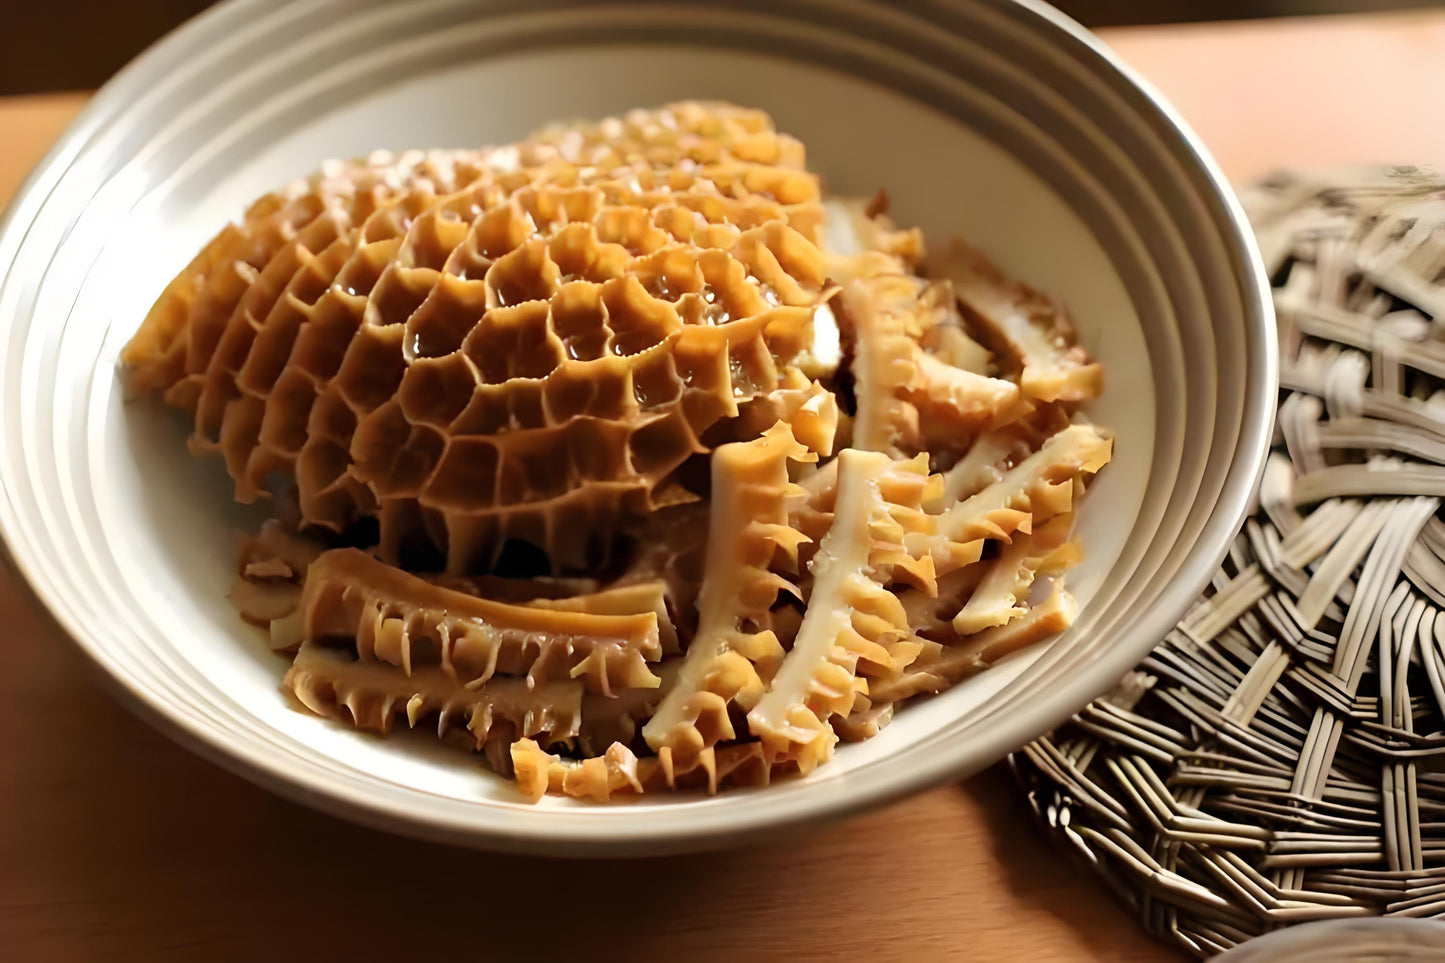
{"x":996,"y":122}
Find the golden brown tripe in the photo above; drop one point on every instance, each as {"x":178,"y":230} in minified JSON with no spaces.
{"x":781,"y":482}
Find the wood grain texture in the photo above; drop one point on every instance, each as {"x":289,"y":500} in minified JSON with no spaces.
{"x":115,"y":843}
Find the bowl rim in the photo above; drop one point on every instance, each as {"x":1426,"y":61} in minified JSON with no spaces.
{"x":1210,"y":547}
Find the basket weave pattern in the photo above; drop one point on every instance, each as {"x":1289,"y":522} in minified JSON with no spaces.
{"x":1280,"y":757}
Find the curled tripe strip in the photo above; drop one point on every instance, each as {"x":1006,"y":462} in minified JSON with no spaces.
{"x":1024,"y":324}
{"x":730,"y":658}
{"x":956,"y":400}
{"x":401,"y":619}
{"x":854,"y":627}
{"x":983,"y":464}
{"x":373,"y":694}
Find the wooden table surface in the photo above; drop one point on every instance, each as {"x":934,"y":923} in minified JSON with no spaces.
{"x":115,"y":843}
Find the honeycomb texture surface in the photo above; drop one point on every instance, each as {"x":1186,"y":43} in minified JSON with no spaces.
{"x":523,"y":342}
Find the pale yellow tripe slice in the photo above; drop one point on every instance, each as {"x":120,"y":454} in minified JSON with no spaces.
{"x":1000,"y":596}
{"x":976,"y":652}
{"x":854,"y":626}
{"x":978,"y":468}
{"x":904,"y":394}
{"x":1033,"y":491}
{"x":730,"y":657}
{"x":1029,"y":326}
{"x":878,"y":310}
{"x":940,"y":666}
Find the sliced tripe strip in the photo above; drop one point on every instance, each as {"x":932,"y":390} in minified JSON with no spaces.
{"x":953,"y":401}
{"x":931,"y":615}
{"x":853,"y":625}
{"x":263,"y":601}
{"x":730,"y":659}
{"x":371,"y":695}
{"x":275,"y":547}
{"x":904,"y":394}
{"x":981,"y":466}
{"x":813,"y":513}
{"x":952,"y":345}
{"x":401,"y":619}
{"x":855,"y":226}
{"x":634,"y":598}
{"x":1000,"y":595}
{"x":270,"y":570}
{"x":519,"y":591}
{"x":618,"y":771}
{"x":974,"y":653}
{"x":1035,"y":490}
{"x":1023,"y":323}
{"x":878,"y":312}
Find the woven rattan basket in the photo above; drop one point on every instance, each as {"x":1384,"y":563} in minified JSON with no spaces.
{"x":1280,"y":757}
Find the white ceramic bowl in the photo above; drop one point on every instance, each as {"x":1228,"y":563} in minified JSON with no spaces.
{"x":1002,"y":122}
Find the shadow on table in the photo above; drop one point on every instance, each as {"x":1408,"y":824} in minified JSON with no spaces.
{"x":115,"y":840}
{"x":1031,"y":867}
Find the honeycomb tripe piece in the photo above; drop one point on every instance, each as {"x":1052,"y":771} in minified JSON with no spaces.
{"x":403,"y":620}
{"x":854,"y":627}
{"x":732,"y":656}
{"x":332,"y":682}
{"x":174,"y":345}
{"x":619,"y":772}
{"x":426,"y":356}
{"x":736,"y":149}
{"x":699,"y":131}
{"x":1023,"y":324}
